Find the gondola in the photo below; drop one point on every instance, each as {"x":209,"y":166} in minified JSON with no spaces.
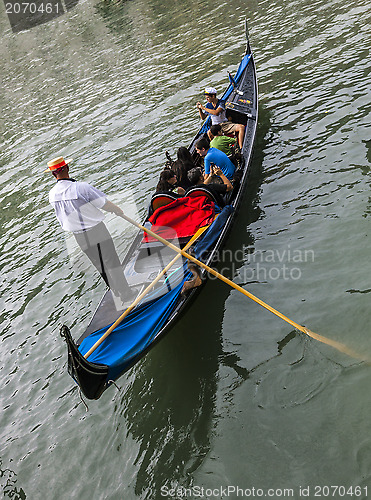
{"x":156,"y":314}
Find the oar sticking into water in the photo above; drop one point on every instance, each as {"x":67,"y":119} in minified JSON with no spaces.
{"x":333,"y":343}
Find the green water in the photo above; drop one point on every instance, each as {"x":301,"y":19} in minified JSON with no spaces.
{"x":232,"y":397}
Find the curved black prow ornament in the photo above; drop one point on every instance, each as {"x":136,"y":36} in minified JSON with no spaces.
{"x":90,"y":377}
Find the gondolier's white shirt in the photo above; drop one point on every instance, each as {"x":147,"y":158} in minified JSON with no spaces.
{"x":77,"y":205}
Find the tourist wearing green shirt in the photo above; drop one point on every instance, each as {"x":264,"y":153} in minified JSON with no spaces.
{"x":220,"y":141}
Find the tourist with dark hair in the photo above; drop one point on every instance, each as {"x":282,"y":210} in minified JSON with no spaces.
{"x":182,"y":165}
{"x":185,"y":157}
{"x":220,"y":141}
{"x":218,"y":190}
{"x":195,"y":175}
{"x":181,"y":175}
{"x":213,"y":155}
{"x":168,"y":183}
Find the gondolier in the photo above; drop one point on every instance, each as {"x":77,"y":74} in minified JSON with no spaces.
{"x":78,"y":208}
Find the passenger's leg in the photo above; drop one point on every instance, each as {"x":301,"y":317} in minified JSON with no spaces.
{"x":240,"y":129}
{"x":236,"y":128}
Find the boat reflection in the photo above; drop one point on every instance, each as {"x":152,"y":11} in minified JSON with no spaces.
{"x":170,"y":406}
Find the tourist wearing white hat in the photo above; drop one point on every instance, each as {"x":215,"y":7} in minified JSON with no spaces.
{"x":78,"y":208}
{"x":216,"y":109}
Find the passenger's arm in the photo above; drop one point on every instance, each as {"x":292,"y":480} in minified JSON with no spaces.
{"x":225,"y":180}
{"x":216,"y":111}
{"x":202,"y":114}
{"x":209,"y":178}
{"x":207,"y":167}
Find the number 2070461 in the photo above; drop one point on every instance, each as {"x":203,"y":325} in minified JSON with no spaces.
{"x":31,"y":8}
{"x":340,"y":491}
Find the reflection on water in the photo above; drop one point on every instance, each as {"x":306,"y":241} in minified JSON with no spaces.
{"x":169,"y":408}
{"x":8,"y":484}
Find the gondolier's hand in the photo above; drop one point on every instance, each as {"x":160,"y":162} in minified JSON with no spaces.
{"x":111,"y":207}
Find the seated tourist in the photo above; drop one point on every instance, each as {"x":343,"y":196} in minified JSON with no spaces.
{"x":216,"y":109}
{"x":213,"y":155}
{"x":182,"y":165}
{"x":184,"y":157}
{"x":168,"y":183}
{"x":220,"y":141}
{"x":197,"y":178}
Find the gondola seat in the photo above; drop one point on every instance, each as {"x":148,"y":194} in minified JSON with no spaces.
{"x":201,"y":191}
{"x":161,"y":199}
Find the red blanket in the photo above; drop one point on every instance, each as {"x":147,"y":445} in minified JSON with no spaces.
{"x":184,"y":216}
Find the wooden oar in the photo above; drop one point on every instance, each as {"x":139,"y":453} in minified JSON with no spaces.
{"x":144,"y":293}
{"x":337,"y":345}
